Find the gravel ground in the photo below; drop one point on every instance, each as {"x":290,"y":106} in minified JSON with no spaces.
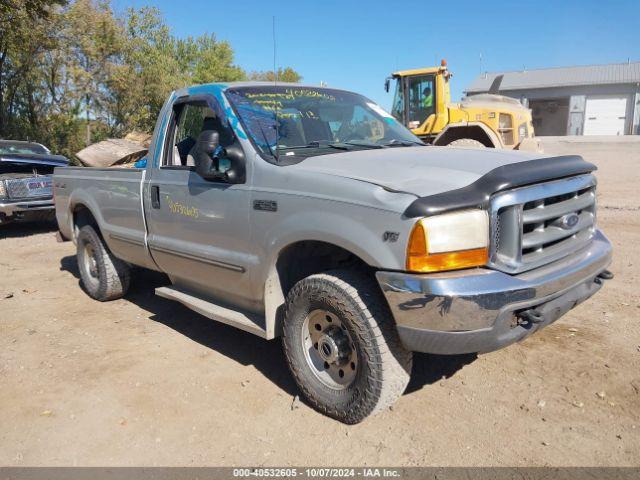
{"x":144,"y":381}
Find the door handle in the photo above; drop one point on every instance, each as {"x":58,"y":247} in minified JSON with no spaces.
{"x":155,"y":196}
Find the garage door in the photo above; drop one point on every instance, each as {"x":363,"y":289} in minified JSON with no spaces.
{"x":605,"y":115}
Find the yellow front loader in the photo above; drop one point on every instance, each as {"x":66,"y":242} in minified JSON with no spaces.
{"x":422,"y":102}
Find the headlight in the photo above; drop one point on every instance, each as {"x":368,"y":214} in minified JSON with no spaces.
{"x":3,"y":189}
{"x":450,"y":241}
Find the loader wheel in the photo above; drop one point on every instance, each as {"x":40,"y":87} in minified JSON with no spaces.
{"x":466,"y":143}
{"x":342,"y":346}
{"x":104,"y":276}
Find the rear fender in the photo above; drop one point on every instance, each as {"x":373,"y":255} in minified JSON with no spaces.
{"x":79,"y":198}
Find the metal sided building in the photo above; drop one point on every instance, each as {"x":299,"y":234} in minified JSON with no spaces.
{"x":583,"y":100}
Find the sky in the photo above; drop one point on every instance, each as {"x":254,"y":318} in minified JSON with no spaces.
{"x":355,"y":45}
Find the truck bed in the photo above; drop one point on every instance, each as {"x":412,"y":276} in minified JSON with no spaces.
{"x":113,"y":195}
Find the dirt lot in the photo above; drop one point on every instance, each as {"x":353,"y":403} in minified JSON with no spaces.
{"x":144,"y":381}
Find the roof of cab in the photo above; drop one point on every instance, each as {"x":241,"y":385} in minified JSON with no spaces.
{"x":219,"y":87}
{"x":417,"y":71}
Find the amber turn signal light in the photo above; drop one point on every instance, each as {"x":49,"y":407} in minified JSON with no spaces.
{"x":449,"y":242}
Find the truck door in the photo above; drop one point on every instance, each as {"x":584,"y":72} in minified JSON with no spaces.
{"x":198,"y":230}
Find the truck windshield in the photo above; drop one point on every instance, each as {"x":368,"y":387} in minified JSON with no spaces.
{"x":7,"y":147}
{"x":307,"y":121}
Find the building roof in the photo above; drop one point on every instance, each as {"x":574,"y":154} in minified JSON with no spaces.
{"x":560,"y":77}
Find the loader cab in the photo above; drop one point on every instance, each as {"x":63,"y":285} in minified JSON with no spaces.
{"x":420,"y":98}
{"x":418,"y":94}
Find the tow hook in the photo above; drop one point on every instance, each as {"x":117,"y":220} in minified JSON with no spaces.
{"x":604,"y":275}
{"x":530,"y":316}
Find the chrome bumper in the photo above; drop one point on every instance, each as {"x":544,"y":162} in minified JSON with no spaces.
{"x":476,"y":310}
{"x":10,"y":208}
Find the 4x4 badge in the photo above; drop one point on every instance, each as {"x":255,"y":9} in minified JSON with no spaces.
{"x":390,"y":236}
{"x":265,"y":205}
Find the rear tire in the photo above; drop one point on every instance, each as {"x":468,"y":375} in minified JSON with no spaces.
{"x":466,"y":143}
{"x":342,"y":345}
{"x":104,"y":276}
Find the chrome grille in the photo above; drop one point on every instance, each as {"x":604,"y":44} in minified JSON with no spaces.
{"x":533,"y":226}
{"x":31,"y":187}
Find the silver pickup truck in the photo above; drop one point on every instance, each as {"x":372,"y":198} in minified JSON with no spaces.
{"x":311,"y":214}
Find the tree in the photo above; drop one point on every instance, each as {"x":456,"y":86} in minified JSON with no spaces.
{"x":33,"y":8}
{"x":94,"y":42}
{"x":74,"y":73}
{"x":157,"y":63}
{"x":284,"y":75}
{"x":23,"y":39}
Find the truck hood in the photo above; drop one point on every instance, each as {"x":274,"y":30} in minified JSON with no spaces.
{"x":421,"y":171}
{"x":34,"y":159}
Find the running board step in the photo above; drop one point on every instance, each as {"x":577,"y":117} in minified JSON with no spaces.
{"x":234,"y":318}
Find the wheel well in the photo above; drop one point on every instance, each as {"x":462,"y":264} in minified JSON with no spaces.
{"x":305,"y":258}
{"x":295,"y":262}
{"x":456,"y":133}
{"x":82,"y":216}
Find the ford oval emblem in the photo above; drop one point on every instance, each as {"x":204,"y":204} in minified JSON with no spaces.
{"x":570,"y":220}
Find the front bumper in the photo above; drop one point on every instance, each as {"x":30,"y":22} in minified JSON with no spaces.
{"x":10,"y":208}
{"x":477,"y":310}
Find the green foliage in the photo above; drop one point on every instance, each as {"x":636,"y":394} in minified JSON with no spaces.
{"x":284,"y":75}
{"x":33,"y":8}
{"x":72,"y":73}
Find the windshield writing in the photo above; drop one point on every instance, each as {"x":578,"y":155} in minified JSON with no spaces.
{"x":305,"y":121}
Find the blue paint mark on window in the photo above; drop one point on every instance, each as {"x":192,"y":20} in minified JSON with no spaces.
{"x":223,"y":108}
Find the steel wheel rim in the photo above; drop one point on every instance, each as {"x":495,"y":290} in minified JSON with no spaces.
{"x":329,"y":349}
{"x":90,"y":263}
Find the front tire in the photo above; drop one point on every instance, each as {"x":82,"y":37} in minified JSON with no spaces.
{"x":342,"y":346}
{"x":104,"y":276}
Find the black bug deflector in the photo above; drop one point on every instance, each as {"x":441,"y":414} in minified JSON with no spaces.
{"x":477,"y":194}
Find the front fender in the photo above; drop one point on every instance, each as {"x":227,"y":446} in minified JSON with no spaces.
{"x":364,"y":240}
{"x":361,"y":233}
{"x":495,"y":140}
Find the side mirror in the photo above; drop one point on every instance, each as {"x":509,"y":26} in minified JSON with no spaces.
{"x":215,"y":163}
{"x":386,"y":85}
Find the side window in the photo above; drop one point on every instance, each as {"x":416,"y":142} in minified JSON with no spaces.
{"x":188,"y":121}
{"x":397,"y":110}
